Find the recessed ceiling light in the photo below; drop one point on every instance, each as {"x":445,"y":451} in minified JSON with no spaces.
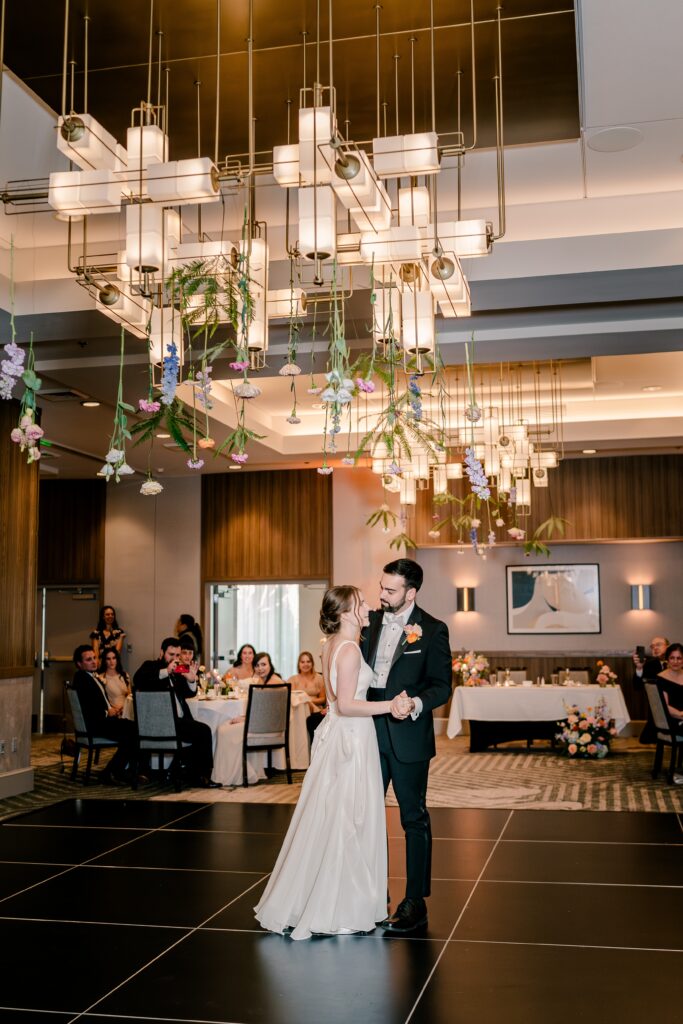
{"x":652,"y":387}
{"x":589,"y":451}
{"x":234,"y":466}
{"x":317,"y":405}
{"x":90,"y":404}
{"x":163,"y":437}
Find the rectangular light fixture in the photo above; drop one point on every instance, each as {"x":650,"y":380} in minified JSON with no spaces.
{"x":87,"y":143}
{"x":641,"y":597}
{"x":398,"y":155}
{"x":184,"y":181}
{"x":465,"y":599}
{"x":316,"y":159}
{"x":317,"y":223}
{"x":286,"y":165}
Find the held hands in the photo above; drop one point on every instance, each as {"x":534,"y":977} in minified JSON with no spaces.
{"x":402,"y":705}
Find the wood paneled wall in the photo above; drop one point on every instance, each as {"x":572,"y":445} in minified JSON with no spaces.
{"x":613,"y":498}
{"x":274,"y":525}
{"x":18,"y":550}
{"x":71,"y":537}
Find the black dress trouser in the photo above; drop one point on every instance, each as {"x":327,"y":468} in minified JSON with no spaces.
{"x":199,"y":757}
{"x":409,"y":780}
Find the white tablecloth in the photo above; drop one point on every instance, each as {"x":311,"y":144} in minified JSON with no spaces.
{"x":215,"y":712}
{"x":531,"y":704}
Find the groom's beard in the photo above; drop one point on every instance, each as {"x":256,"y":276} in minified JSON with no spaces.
{"x":396,"y":608}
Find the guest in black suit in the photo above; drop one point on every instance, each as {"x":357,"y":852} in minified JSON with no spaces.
{"x":101,"y":717}
{"x":410,"y":653}
{"x":162,"y":675}
{"x":649,"y":669}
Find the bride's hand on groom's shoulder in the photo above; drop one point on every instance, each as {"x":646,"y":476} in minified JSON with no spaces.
{"x":402,"y":705}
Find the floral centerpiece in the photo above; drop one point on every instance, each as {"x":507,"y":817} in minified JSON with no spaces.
{"x":605,"y":676}
{"x":471,"y":669}
{"x":586,"y":734}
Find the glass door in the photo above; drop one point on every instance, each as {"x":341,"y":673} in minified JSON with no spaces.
{"x":280,"y":618}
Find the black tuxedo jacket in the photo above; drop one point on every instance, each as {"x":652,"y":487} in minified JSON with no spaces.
{"x":651,"y":669}
{"x":423,"y":669}
{"x":93,"y":701}
{"x":147,"y":678}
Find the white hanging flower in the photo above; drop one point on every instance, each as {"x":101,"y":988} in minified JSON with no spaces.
{"x":151,"y":487}
{"x":293,"y":419}
{"x":115,"y":455}
{"x":247,"y":390}
{"x":106,"y":471}
{"x":344,"y":396}
{"x":329,"y":395}
{"x":289,"y":370}
{"x":125,"y":470}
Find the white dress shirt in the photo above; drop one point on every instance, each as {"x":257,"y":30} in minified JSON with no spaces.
{"x":392,"y":634}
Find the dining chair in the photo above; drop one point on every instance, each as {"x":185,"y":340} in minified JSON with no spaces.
{"x":157,"y":731}
{"x":517,"y":675}
{"x":578,"y":675}
{"x":266,"y":725}
{"x":667,"y":732}
{"x":84,"y":739}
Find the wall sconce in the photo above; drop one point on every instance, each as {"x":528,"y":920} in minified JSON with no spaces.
{"x":464,"y":597}
{"x":641,"y":597}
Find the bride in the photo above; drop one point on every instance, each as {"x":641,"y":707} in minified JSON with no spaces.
{"x":330,"y":877}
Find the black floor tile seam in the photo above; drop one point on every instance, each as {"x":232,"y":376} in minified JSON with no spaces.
{"x":223,"y":831}
{"x":50,"y":878}
{"x":156,"y":867}
{"x":376,"y":935}
{"x":91,"y":828}
{"x":106,"y":924}
{"x":561,"y":881}
{"x":458,"y":920}
{"x":167,"y":1020}
{"x":589,"y":842}
{"x":188,"y":932}
{"x":567,"y":945}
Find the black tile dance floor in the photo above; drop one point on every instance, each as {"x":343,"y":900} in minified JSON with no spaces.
{"x":118,"y":911}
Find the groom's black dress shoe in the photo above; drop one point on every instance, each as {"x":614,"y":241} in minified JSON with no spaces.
{"x":409,"y":915}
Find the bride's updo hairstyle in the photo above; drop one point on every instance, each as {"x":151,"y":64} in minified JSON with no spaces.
{"x":336,"y":601}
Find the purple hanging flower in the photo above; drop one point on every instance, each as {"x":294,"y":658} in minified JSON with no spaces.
{"x":146,"y":406}
{"x":242,"y":364}
{"x":203,"y":384}
{"x":239,"y":457}
{"x":11,"y":369}
{"x":365,"y":385}
{"x":195,"y":463}
{"x":475,"y":471}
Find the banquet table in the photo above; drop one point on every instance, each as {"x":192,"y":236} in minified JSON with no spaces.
{"x":215,"y":712}
{"x":500,"y":713}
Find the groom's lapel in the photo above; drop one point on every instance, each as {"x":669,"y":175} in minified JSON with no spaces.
{"x":415,"y":616}
{"x":374,"y":630}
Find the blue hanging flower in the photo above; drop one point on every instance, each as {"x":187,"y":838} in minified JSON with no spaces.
{"x":169,"y":380}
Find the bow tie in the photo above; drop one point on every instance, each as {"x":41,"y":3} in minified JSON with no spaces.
{"x":390,"y":618}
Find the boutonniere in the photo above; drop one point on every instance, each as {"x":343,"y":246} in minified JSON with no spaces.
{"x":413,"y":632}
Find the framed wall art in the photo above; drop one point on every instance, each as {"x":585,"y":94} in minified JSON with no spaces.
{"x":553,"y":599}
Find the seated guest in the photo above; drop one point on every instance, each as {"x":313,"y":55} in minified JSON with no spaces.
{"x":243,"y":665}
{"x":188,"y":658}
{"x":108,"y":633}
{"x":162,"y":674}
{"x":671,"y":683}
{"x":263,"y":669}
{"x":115,"y":678}
{"x":308,"y":679}
{"x":649,"y":668}
{"x":187,"y":627}
{"x":101,"y":717}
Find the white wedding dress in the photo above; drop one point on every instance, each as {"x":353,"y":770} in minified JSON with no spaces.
{"x":330,"y":877}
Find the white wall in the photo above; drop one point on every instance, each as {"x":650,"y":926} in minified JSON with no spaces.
{"x":620,"y":565}
{"x":152,"y":560}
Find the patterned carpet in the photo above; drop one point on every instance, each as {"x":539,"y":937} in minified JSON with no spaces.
{"x":508,"y":778}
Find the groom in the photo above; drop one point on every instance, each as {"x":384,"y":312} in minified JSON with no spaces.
{"x":410,"y":653}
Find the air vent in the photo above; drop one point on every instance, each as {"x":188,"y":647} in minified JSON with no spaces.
{"x":61,"y":395}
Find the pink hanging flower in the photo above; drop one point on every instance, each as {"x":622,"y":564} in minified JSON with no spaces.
{"x":365,"y":385}
{"x":239,"y":457}
{"x":324,"y":470}
{"x":146,"y":406}
{"x":516,"y":533}
{"x":242,"y":364}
